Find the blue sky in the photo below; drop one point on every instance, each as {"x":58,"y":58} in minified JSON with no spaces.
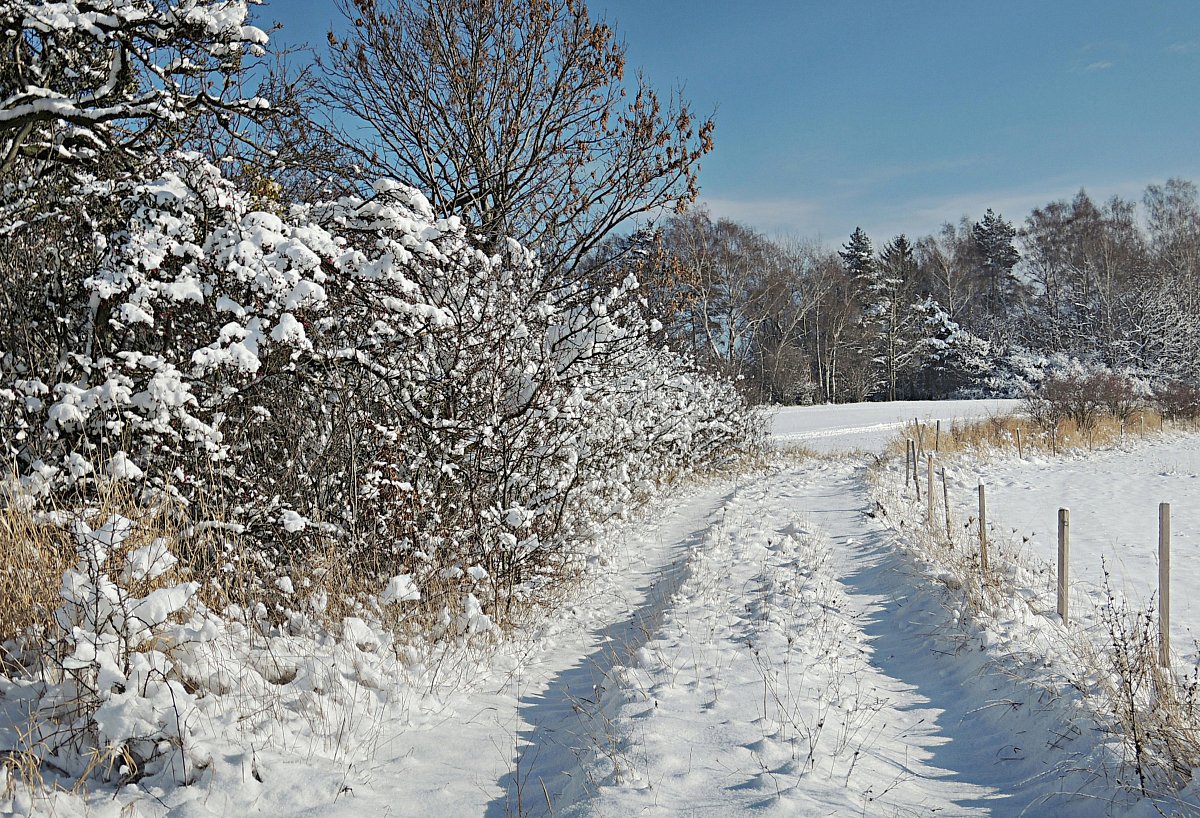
{"x":898,"y":115}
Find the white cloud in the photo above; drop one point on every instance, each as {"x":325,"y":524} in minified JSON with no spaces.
{"x":829,"y":219}
{"x":1102,"y":65}
{"x":774,"y":215}
{"x":924,"y":215}
{"x":1184,"y":47}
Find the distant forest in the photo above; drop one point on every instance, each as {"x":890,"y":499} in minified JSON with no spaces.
{"x":986,"y":307}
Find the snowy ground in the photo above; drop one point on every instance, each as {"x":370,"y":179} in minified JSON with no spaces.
{"x":868,"y":426}
{"x":1113,"y":498}
{"x":762,"y":646}
{"x":807,"y":669}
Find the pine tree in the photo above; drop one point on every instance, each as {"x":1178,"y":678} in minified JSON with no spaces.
{"x":884,"y":288}
{"x":993,"y":238}
{"x":862,"y":268}
{"x":953,"y":359}
{"x":859,"y":258}
{"x":893,"y":310}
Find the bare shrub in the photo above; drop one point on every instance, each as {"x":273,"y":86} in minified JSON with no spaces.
{"x":1045,"y":414}
{"x":1064,"y":397}
{"x":1081,"y":398}
{"x":1178,"y":400}
{"x":1158,"y":713}
{"x":1116,"y":393}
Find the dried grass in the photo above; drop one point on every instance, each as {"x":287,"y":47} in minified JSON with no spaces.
{"x":33,"y":556}
{"x":37,"y":545}
{"x":1017,"y":432}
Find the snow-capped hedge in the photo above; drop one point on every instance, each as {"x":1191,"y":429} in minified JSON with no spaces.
{"x":357,"y":374}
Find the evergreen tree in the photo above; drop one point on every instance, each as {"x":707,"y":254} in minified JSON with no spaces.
{"x":953,"y":359}
{"x":859,"y":257}
{"x":993,"y":238}
{"x":893,"y":311}
{"x":884,"y":287}
{"x":899,"y":264}
{"x":862,"y":269}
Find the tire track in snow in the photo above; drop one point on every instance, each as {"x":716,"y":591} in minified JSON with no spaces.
{"x":559,"y":714}
{"x":1003,"y":733}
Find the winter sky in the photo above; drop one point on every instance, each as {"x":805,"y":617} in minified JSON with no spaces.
{"x":898,"y":115}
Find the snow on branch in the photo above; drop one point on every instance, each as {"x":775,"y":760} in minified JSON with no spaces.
{"x":82,"y":75}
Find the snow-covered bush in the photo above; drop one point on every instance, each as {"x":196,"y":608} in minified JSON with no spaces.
{"x":135,"y":680}
{"x":343,"y":415}
{"x":105,"y":697}
{"x":356,"y":378}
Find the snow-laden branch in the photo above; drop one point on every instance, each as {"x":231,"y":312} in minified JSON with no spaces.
{"x":113,"y":66}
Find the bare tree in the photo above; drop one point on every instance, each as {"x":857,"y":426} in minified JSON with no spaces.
{"x":946,"y":261}
{"x":779,"y":364}
{"x":1088,"y":264}
{"x":833,"y":327}
{"x":1173,"y":218}
{"x":515,"y":114}
{"x":722,"y":275}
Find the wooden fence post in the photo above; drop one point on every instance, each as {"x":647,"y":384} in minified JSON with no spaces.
{"x":946,"y":503}
{"x":983,"y":559}
{"x":916,"y":476}
{"x":908,"y":450}
{"x":1020,"y":451}
{"x":1064,"y":551}
{"x":929,"y":489}
{"x":937,"y":437}
{"x":1164,"y":584}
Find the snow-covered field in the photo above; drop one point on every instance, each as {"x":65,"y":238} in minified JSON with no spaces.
{"x":766,"y":645}
{"x":1113,"y":499}
{"x":869,"y":426}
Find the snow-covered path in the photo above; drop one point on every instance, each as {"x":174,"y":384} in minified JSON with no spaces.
{"x":509,"y":741}
{"x":806,"y":669}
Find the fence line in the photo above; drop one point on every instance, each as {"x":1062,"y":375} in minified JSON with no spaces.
{"x":929,"y":495}
{"x":1064,"y":569}
{"x":983,"y":557}
{"x":1064,"y":543}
